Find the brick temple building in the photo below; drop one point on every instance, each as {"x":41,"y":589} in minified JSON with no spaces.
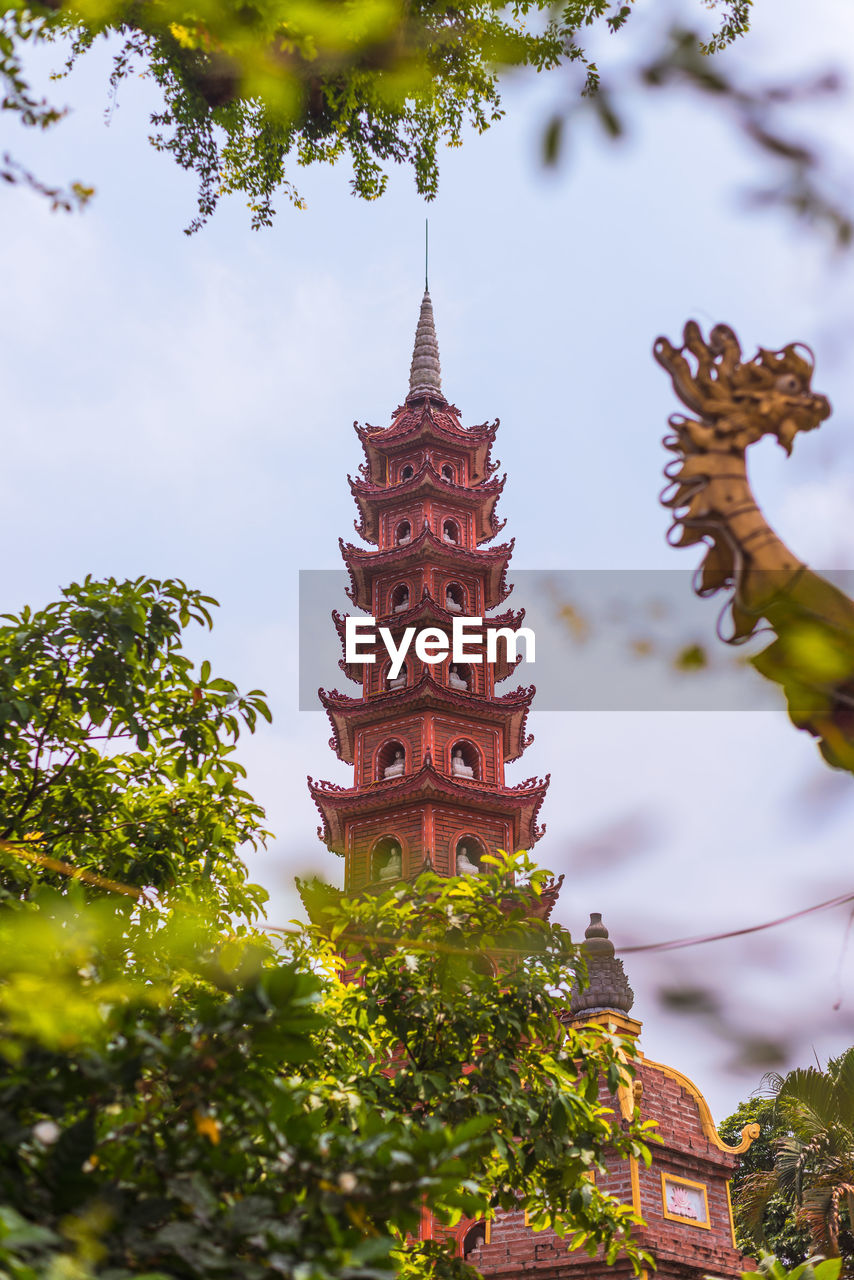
{"x":429,"y":744}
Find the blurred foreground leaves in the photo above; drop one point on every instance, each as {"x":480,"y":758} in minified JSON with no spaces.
{"x":182,"y":1101}
{"x":252,"y":86}
{"x":184,"y":1095}
{"x":796,"y":171}
{"x":770,"y":1267}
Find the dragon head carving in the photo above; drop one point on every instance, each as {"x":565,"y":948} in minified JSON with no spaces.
{"x":738,"y":401}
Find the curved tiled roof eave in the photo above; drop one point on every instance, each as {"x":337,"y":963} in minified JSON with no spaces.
{"x":407,"y":428}
{"x":482,"y":497}
{"x":329,"y":798}
{"x":345,"y":712}
{"x":363,"y":559}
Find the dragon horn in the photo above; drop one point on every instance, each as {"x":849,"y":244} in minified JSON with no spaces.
{"x":672,"y":359}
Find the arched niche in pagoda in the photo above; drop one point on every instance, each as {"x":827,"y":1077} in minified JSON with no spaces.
{"x":473,"y":1237}
{"x":451,"y":531}
{"x":465,"y":760}
{"x":403,"y":533}
{"x":467,"y":849}
{"x":400,"y":597}
{"x":447,"y":473}
{"x":394,"y":682}
{"x":386,"y":858}
{"x":455,"y":598}
{"x":407,"y":471}
{"x":390,"y":760}
{"x":461,"y":677}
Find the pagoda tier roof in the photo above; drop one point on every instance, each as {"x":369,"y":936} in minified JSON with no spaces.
{"x":428,"y":612}
{"x":363,"y":564}
{"x":427,"y":420}
{"x":548,"y":896}
{"x":346,"y":714}
{"x":338,"y":804}
{"x":481,"y":498}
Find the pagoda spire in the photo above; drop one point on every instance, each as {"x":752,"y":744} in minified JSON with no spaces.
{"x":425,"y":375}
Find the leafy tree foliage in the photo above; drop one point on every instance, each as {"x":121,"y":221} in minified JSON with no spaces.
{"x":777,"y":1231}
{"x":116,"y":754}
{"x":184,"y":1097}
{"x":806,"y":1192}
{"x":250,"y":87}
{"x":167,"y":1110}
{"x":464,"y":988}
{"x":185,"y":1103}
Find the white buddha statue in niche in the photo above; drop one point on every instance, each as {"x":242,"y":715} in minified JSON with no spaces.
{"x":456,"y":679}
{"x":397,"y":766}
{"x":452,"y":605}
{"x":465,"y":867}
{"x":459,"y":766}
{"x":404,"y":601}
{"x":392,"y":869}
{"x":449,"y":534}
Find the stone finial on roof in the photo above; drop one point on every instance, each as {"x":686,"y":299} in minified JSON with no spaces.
{"x":425,"y":374}
{"x":607,"y":985}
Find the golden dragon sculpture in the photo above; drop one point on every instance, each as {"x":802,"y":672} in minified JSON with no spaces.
{"x":735,"y":402}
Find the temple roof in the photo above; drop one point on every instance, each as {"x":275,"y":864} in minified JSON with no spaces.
{"x":428,"y":612}
{"x":428,"y":422}
{"x":336,"y":804}
{"x":481,"y":498}
{"x":364,"y":564}
{"x":510,"y":710}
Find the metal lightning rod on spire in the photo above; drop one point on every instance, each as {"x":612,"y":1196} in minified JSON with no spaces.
{"x":426,"y":255}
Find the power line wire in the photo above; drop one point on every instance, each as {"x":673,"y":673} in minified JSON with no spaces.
{"x":676,"y":944}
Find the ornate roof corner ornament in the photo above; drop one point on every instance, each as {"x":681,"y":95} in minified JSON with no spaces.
{"x":749,"y":1134}
{"x":734,"y":402}
{"x":607,"y":985}
{"x":549,"y":893}
{"x":425,"y":374}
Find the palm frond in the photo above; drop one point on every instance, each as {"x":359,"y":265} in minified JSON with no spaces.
{"x":843,"y":1076}
{"x":753,"y":1196}
{"x":820,"y":1213}
{"x":810,"y":1099}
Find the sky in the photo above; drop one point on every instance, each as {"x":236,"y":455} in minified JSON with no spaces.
{"x":180,"y":406}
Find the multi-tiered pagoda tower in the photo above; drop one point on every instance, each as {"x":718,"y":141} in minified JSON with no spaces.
{"x":428,"y":747}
